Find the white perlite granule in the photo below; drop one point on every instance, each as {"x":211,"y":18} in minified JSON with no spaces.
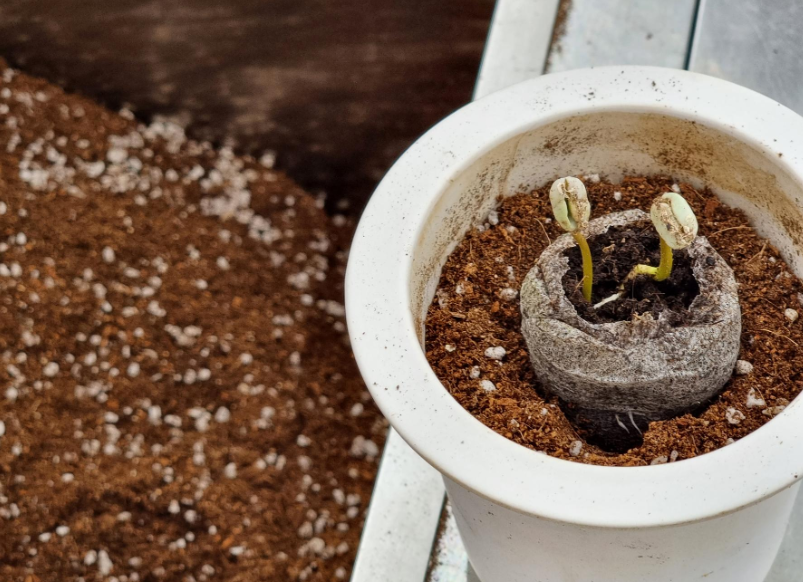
{"x":108,"y":255}
{"x":105,"y":565}
{"x":50,"y":369}
{"x":754,"y":399}
{"x":743,"y":367}
{"x":496,"y":353}
{"x":508,"y":294}
{"x":487,"y":385}
{"x":133,"y":370}
{"x":734,"y":416}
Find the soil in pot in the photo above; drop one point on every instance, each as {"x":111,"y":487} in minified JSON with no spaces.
{"x":475,"y":346}
{"x":615,"y":253}
{"x":178,"y":399}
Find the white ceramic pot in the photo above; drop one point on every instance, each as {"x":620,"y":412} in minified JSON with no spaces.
{"x":525,"y":516}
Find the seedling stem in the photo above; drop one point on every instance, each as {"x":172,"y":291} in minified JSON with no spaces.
{"x":588,"y":267}
{"x":572,"y":210}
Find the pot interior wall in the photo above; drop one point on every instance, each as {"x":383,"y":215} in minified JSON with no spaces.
{"x":613,"y":144}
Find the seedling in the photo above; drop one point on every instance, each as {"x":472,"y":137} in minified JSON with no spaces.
{"x":677,"y":226}
{"x":572,"y":210}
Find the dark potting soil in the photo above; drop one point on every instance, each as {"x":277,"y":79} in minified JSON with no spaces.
{"x":178,"y":400}
{"x":614,"y":255}
{"x":477,"y":308}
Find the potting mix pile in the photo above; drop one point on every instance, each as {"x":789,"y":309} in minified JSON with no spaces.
{"x":475,"y":346}
{"x":178,"y":397}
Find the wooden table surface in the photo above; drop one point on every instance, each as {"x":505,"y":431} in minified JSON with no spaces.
{"x":338,"y":88}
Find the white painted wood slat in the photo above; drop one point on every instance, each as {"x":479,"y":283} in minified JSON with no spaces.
{"x":753,"y":43}
{"x":518,"y":44}
{"x":624,"y":32}
{"x":403,"y":517}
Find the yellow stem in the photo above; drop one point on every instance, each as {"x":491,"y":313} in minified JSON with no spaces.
{"x":636,"y":271}
{"x":643,"y":270}
{"x":659,"y":273}
{"x":665,"y":268}
{"x":588,"y":267}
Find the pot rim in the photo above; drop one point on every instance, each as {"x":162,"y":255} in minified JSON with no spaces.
{"x":418,"y":406}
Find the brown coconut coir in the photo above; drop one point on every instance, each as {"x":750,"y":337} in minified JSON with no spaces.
{"x":178,"y":399}
{"x":475,"y":346}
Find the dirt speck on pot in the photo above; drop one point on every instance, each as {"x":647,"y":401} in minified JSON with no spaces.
{"x":501,"y":256}
{"x":178,"y":397}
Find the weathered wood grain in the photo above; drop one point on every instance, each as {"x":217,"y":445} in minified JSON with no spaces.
{"x":339,"y":89}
